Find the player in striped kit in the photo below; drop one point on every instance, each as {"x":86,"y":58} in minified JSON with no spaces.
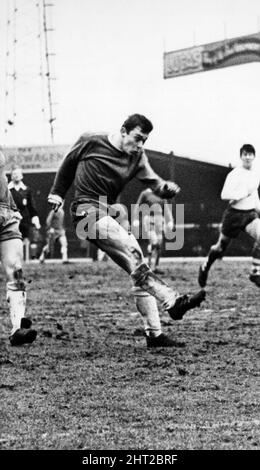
{"x":100,"y":166}
{"x":241,"y":190}
{"x":11,"y":255}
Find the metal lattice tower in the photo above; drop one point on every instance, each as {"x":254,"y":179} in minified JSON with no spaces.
{"x":28,"y":94}
{"x":47,"y":30}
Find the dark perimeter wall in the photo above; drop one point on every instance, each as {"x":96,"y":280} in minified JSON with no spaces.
{"x":201,"y":185}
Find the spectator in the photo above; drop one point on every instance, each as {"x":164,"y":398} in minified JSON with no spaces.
{"x":30,"y":223}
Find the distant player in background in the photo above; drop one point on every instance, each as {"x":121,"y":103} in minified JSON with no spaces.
{"x":155,"y":224}
{"x":30,"y":223}
{"x":55,"y":232}
{"x":241,"y":190}
{"x":11,"y":256}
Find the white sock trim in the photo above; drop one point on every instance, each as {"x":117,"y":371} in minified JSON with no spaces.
{"x":147,"y":306}
{"x":17,"y":303}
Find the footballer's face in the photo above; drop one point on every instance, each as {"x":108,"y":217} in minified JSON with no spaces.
{"x":247,"y":159}
{"x":132,"y":142}
{"x":17,"y":175}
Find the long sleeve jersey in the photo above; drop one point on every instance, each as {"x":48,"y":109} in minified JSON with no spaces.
{"x":100,"y":169}
{"x":241,"y":189}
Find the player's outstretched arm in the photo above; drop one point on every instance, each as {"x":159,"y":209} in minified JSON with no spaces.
{"x":66,"y":174}
{"x":164,"y":189}
{"x":234,"y":188}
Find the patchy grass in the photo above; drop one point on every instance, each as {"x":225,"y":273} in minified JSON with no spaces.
{"x":89,"y":382}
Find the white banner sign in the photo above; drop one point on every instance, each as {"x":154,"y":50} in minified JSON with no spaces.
{"x":236,"y":51}
{"x":35,"y":159}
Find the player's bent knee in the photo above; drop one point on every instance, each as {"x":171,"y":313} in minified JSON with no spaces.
{"x":136,"y":253}
{"x":11,"y":270}
{"x":15,"y":280}
{"x":219,"y":248}
{"x":140,"y":274}
{"x":137,"y":259}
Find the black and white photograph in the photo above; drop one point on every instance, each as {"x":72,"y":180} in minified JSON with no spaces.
{"x":130,"y":230}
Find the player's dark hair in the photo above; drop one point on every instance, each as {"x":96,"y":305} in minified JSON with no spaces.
{"x":138,"y":120}
{"x":248,"y":148}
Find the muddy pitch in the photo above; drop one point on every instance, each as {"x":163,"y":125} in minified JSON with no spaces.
{"x":89,"y":382}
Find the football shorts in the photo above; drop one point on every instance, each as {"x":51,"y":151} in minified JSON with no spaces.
{"x":235,"y":220}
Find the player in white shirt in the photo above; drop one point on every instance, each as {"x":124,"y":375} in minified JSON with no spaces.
{"x":242,"y":214}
